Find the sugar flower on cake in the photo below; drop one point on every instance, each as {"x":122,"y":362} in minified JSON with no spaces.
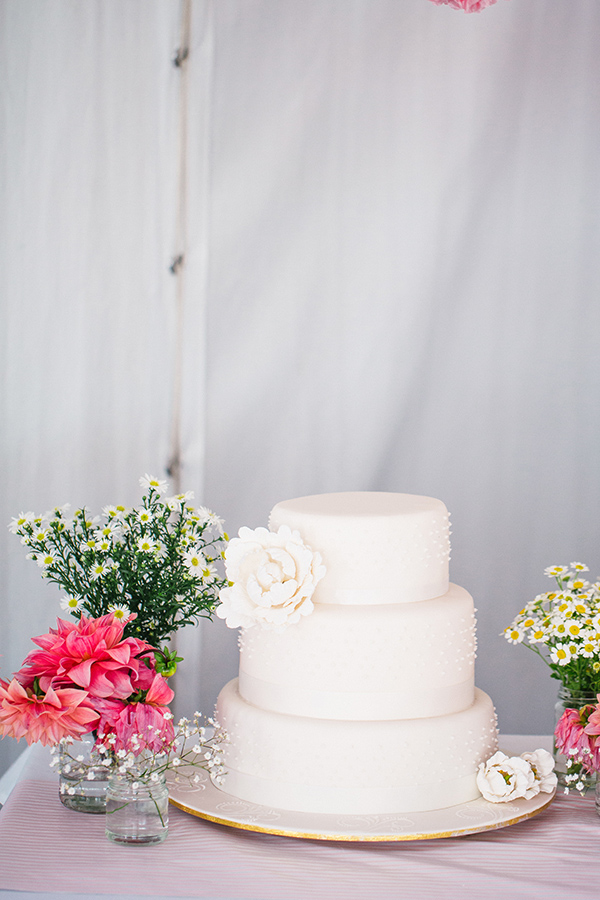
{"x":503,"y":778}
{"x":272,"y":577}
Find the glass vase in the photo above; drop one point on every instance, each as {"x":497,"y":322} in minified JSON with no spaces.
{"x":137,"y":808}
{"x":569,"y":700}
{"x":83,"y":778}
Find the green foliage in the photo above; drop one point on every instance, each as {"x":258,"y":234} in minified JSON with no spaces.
{"x":161,"y":561}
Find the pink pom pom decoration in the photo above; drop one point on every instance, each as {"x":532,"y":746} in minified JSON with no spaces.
{"x":469,"y":6}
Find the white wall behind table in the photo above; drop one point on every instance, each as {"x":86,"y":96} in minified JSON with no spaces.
{"x":87,"y":191}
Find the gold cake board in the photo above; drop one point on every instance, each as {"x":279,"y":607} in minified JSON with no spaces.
{"x":206,"y":801}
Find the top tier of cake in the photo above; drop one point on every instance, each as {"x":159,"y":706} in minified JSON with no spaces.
{"x":377,"y":547}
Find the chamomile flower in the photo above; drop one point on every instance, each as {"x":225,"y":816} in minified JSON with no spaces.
{"x":71,"y":604}
{"x":195,"y":561}
{"x":209,"y":573}
{"x":103,"y":545}
{"x":179,"y":500}
{"x":146,"y":544}
{"x":119,"y":611}
{"x":147,"y":482}
{"x":20,"y":521}
{"x":555,"y":571}
{"x":114,"y":512}
{"x":145,"y":516}
{"x":561,"y":654}
{"x":538,"y":636}
{"x":588,"y":649}
{"x":579,"y":567}
{"x":47,"y":559}
{"x":100,"y":569}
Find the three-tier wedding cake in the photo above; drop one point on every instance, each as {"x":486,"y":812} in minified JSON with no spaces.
{"x":355,"y":692}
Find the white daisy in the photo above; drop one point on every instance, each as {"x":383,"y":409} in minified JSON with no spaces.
{"x":22,"y":519}
{"x":99,"y":569}
{"x":195,"y":561}
{"x":148,"y":483}
{"x":120,"y":611}
{"x":71,"y":603}
{"x":146,"y":544}
{"x":561,"y":654}
{"x":514,"y":634}
{"x":46,"y":559}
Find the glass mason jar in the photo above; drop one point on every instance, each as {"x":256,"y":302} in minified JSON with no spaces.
{"x":137,"y":808}
{"x":569,"y":700}
{"x":83,"y":779}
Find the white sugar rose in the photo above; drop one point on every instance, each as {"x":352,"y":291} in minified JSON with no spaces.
{"x":504,"y":778}
{"x":273,"y":577}
{"x":542,"y":764}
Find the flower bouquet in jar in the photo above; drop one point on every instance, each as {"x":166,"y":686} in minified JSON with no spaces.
{"x":156,"y":567}
{"x":562,"y":627}
{"x":95,"y":689}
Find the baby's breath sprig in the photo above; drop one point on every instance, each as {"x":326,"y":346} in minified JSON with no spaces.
{"x":161,"y":561}
{"x":197,"y":744}
{"x":562,"y":627}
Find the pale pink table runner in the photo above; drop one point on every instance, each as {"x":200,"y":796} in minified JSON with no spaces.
{"x":47,"y":848}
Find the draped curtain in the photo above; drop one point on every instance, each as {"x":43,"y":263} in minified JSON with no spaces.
{"x":390,"y":219}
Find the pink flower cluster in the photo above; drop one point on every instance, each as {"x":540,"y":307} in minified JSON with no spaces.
{"x":576,"y":735}
{"x":87,"y":677}
{"x":469,"y":6}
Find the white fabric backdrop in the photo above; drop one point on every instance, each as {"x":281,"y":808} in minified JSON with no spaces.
{"x":391,"y":279}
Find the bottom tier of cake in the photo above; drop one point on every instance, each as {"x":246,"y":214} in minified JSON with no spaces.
{"x":354,"y":767}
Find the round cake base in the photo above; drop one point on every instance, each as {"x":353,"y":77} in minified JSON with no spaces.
{"x":206,"y":801}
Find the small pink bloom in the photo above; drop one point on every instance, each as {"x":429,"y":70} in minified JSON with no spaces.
{"x":593,"y":724}
{"x":469,"y":6}
{"x":571,"y":735}
{"x":64,"y":712}
{"x":93,"y":655}
{"x":146,"y":719}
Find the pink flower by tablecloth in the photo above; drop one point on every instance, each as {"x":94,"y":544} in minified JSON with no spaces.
{"x":91,"y":654}
{"x":573,"y":739}
{"x":47,"y":717}
{"x":469,"y":6}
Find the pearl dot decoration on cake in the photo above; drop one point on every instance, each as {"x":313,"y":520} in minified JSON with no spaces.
{"x":367,"y":704}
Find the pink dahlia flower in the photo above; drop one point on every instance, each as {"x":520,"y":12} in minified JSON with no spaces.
{"x":572,"y":739}
{"x":593,"y":723}
{"x":146,"y":719}
{"x":93,"y":655}
{"x":64,"y":712}
{"x":469,"y":6}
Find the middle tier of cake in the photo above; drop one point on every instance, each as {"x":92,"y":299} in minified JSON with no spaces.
{"x":406,"y":660}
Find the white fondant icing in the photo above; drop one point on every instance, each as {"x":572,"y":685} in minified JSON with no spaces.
{"x":366,"y":662}
{"x":368,"y":704}
{"x":323,"y":765}
{"x":376,"y":547}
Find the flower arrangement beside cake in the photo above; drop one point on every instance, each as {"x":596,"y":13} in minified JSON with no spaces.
{"x":96,"y":690}
{"x":562,"y":627}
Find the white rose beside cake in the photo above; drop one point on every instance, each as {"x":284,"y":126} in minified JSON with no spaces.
{"x":355,"y":692}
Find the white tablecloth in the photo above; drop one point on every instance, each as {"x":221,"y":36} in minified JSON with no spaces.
{"x":49,"y":850}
